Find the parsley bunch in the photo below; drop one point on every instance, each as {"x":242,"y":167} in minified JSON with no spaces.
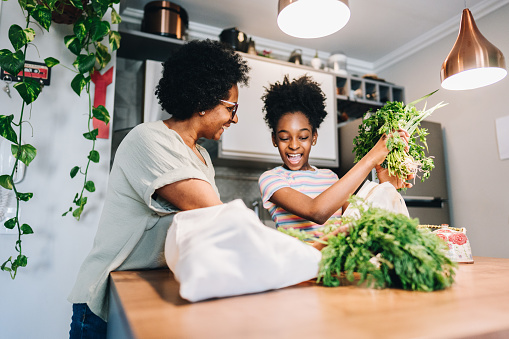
{"x":388,"y":119}
{"x":387,"y":250}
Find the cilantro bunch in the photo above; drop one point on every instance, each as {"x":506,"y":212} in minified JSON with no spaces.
{"x":388,"y":119}
{"x":387,"y":250}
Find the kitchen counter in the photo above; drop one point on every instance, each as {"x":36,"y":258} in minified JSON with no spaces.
{"x":146,"y":304}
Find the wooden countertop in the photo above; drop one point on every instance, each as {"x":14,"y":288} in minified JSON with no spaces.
{"x":477,"y":305}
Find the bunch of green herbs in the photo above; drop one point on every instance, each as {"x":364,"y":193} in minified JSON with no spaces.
{"x":386,"y":250}
{"x":386,"y":120}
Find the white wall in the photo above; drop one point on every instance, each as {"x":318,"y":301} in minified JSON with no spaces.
{"x":478,"y":179}
{"x":35,"y":305}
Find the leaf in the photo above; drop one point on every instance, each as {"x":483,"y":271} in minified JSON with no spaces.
{"x":102,"y":55}
{"x":115,"y":18}
{"x":26,"y":229}
{"x":17,"y":37}
{"x":12,"y":63}
{"x":100,"y":7}
{"x":73,"y":43}
{"x":30,"y":34}
{"x":421,"y":99}
{"x":115,"y":38}
{"x":42,"y":15}
{"x":21,"y":261}
{"x":4,"y":265}
{"x":99,"y":29}
{"x":84,"y":63}
{"x":65,"y":213}
{"x":6,"y":181}
{"x":6,"y":129}
{"x":24,"y":196}
{"x":101,"y":113}
{"x":76,"y":3}
{"x":78,"y":83}
{"x":29,"y":90}
{"x":11,"y":223}
{"x":51,"y":4}
{"x":50,"y":62}
{"x":74,"y":171}
{"x":80,"y":30}
{"x":90,"y":186}
{"x":94,"y":156}
{"x":92,"y":135}
{"x":26,"y":154}
{"x":78,"y":211}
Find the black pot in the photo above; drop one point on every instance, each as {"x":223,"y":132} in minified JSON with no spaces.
{"x":235,"y":38}
{"x":165,"y":18}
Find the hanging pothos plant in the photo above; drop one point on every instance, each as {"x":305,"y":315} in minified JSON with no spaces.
{"x":91,"y":55}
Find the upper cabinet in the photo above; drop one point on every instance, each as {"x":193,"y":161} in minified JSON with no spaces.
{"x":250,"y":139}
{"x":355,"y":96}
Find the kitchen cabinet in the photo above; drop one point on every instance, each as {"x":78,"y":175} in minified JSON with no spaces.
{"x":251,"y":138}
{"x":355,"y":96}
{"x":146,"y":304}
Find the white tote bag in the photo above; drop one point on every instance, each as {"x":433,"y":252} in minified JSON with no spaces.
{"x":226,"y":250}
{"x":382,"y":196}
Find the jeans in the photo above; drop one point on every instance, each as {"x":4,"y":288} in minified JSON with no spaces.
{"x":85,"y":324}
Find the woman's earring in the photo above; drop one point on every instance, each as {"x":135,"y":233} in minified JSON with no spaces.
{"x":202,"y":113}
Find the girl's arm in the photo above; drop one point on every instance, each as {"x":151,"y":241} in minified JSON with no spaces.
{"x":322,"y":207}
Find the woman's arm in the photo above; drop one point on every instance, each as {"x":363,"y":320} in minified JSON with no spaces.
{"x":189,"y":194}
{"x":322,"y":207}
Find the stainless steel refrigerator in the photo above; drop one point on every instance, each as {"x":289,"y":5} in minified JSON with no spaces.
{"x":428,"y":200}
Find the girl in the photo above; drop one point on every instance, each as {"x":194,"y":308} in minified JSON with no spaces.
{"x":296,"y":194}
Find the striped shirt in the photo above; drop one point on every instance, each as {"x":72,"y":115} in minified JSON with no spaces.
{"x":311,"y":183}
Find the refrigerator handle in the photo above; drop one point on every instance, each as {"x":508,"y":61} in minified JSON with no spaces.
{"x":415,"y":201}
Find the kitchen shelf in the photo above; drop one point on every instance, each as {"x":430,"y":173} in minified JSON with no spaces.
{"x":355,"y":96}
{"x":142,"y":46}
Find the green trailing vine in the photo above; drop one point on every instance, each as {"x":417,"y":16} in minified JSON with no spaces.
{"x":13,"y":61}
{"x":91,"y":55}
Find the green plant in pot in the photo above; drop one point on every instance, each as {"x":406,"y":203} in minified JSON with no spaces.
{"x":91,"y":55}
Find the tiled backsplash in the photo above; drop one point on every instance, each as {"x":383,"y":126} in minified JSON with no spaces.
{"x":242,"y":183}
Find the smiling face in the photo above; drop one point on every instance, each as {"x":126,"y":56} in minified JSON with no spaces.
{"x":217,"y":120}
{"x":294,"y":138}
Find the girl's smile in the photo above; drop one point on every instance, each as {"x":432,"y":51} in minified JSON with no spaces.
{"x":294,"y":138}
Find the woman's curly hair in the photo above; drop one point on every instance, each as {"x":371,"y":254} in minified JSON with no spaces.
{"x":198,"y":76}
{"x":301,"y":95}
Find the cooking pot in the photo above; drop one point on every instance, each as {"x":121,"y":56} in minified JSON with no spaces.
{"x":165,"y":18}
{"x":234,"y":38}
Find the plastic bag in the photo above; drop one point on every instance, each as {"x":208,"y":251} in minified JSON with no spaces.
{"x":226,"y":250}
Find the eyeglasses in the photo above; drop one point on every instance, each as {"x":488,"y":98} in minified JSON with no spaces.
{"x":233,"y":108}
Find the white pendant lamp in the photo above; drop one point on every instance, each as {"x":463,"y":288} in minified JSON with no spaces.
{"x":312,"y":18}
{"x":473,"y":61}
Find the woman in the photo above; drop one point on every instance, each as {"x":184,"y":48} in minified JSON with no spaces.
{"x":296,"y":194}
{"x":159,"y":170}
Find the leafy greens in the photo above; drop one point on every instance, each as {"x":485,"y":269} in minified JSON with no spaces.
{"x":387,"y":119}
{"x":387,"y":250}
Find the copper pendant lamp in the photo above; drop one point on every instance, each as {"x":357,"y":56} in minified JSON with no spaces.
{"x":312,"y":18}
{"x":473,"y":61}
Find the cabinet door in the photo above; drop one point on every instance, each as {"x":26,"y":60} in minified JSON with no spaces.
{"x":251,"y":139}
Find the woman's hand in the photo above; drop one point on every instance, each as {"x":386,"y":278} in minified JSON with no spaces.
{"x":384,"y":176}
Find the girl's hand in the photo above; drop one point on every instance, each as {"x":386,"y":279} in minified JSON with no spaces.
{"x":380,"y":151}
{"x":383,"y":176}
